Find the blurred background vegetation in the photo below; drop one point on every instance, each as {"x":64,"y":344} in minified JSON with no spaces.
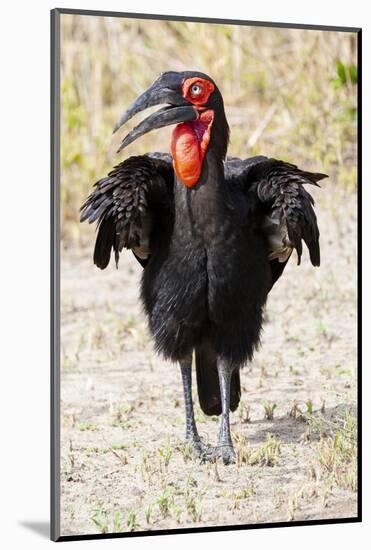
{"x":289,"y":94}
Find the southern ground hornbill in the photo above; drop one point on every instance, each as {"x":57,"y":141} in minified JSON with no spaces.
{"x":212,"y":234}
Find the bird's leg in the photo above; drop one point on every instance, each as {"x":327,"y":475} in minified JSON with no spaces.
{"x":224,"y":448}
{"x":191,"y":435}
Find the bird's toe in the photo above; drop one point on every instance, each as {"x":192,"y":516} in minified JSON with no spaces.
{"x":225,"y":453}
{"x":200,"y":449}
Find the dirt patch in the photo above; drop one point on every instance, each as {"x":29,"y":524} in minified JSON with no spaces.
{"x":124,"y":466}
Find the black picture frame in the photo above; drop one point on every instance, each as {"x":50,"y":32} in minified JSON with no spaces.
{"x":55,"y":272}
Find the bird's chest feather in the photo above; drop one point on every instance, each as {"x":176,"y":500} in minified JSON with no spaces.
{"x":213,"y":256}
{"x":205,"y":216}
{"x":210,"y":238}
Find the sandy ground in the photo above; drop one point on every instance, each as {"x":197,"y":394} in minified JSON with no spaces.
{"x":123,"y":464}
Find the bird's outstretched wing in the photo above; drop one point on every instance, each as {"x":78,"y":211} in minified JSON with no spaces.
{"x":289,"y":216}
{"x":136,"y":195}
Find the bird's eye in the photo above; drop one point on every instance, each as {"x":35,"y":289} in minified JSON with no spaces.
{"x":196,"y":89}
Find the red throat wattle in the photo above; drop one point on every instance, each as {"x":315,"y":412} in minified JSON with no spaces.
{"x":189,"y":144}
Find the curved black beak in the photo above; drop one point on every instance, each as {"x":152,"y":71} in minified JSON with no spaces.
{"x":166,"y":89}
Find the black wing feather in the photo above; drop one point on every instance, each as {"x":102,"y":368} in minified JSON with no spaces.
{"x":125,"y":202}
{"x":279,"y":187}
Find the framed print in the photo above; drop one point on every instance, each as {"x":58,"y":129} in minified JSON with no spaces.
{"x":205,"y":283}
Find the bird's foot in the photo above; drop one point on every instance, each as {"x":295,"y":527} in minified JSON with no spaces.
{"x":224,"y":452}
{"x":199,"y":448}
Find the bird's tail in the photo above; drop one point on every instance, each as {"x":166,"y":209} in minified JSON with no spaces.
{"x":208,"y":383}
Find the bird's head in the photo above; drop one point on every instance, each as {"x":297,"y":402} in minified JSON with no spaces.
{"x":195,"y":105}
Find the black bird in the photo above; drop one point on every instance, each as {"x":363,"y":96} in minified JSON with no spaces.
{"x":212,"y":234}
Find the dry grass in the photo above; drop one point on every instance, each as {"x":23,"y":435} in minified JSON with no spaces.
{"x":337,"y":450}
{"x":290,"y":94}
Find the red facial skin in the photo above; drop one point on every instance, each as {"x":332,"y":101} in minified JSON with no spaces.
{"x":202,"y":98}
{"x":190,"y":140}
